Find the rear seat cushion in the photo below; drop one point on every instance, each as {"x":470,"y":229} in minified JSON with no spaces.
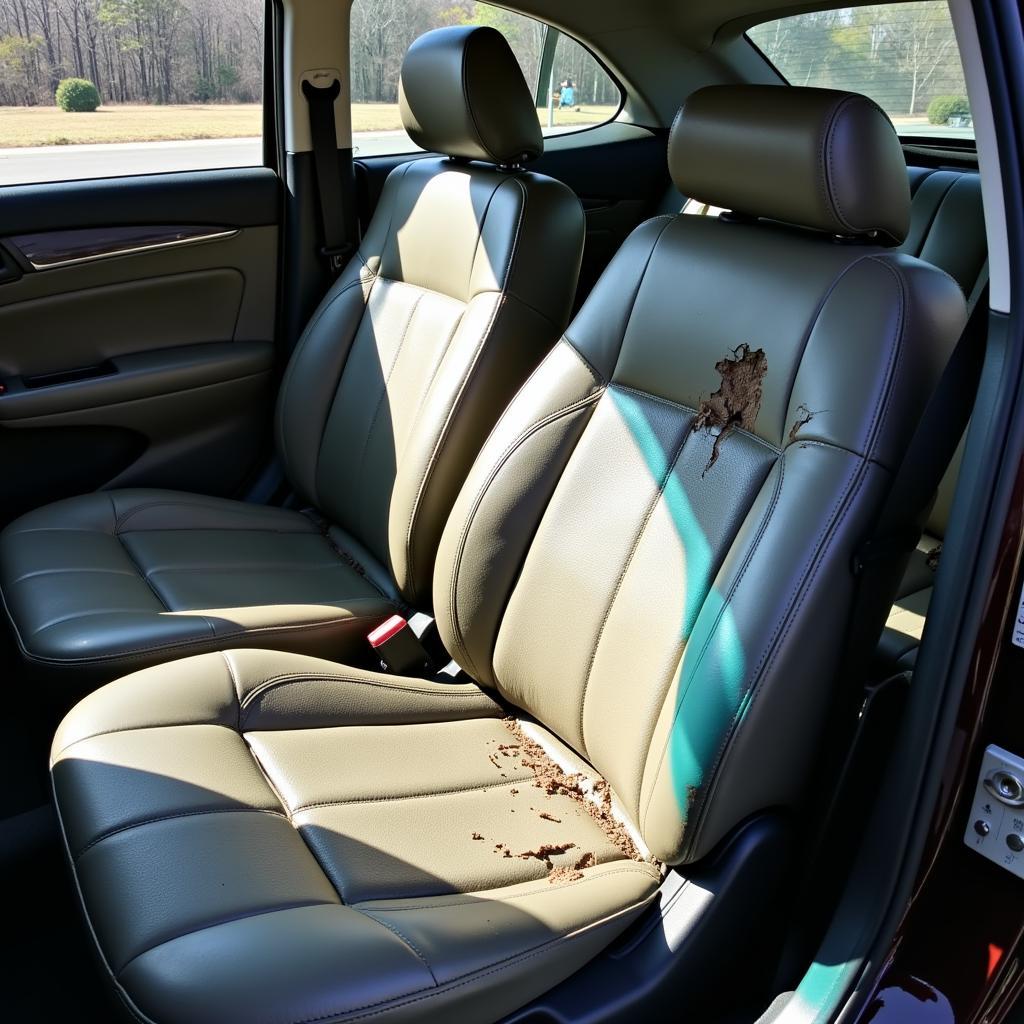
{"x":120,"y":580}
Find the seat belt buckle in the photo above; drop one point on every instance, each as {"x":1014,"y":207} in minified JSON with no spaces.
{"x":338,"y":256}
{"x":398,"y":648}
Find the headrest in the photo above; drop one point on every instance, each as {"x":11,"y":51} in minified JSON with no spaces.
{"x":463,"y":93}
{"x":818,"y":158}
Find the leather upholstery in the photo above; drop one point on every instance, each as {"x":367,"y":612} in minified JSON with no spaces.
{"x":463,"y":281}
{"x":265,"y":837}
{"x":463,"y":93}
{"x":132,"y":576}
{"x":657,"y":620}
{"x":815,"y":157}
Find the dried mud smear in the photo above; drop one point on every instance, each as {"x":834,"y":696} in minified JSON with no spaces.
{"x":738,"y":401}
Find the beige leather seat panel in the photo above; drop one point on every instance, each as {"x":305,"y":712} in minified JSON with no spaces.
{"x":402,"y":832}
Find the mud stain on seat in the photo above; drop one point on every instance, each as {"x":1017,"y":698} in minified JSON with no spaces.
{"x":737,"y":401}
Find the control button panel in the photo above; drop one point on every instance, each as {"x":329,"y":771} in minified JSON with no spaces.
{"x":995,"y":827}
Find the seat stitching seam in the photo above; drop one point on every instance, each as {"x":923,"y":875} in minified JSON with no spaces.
{"x":634,"y":547}
{"x":781,"y":629}
{"x":825,"y":162}
{"x":764,"y":442}
{"x":466,"y":979}
{"x":327,"y":305}
{"x":133,"y":653}
{"x":522,"y":438}
{"x":142,"y":575}
{"x":172,"y":817}
{"x":268,"y":778}
{"x":435,"y":369}
{"x":380,"y":401}
{"x":351,"y":562}
{"x":236,"y":688}
{"x":754,"y":546}
{"x":638,"y":869}
{"x":934,"y":216}
{"x":286,"y":680}
{"x":512,"y":780}
{"x":233,"y":919}
{"x":641,"y":277}
{"x":599,"y":378}
{"x":442,"y":437}
{"x":404,"y":938}
{"x":136,"y":509}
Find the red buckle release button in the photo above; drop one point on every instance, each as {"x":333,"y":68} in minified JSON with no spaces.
{"x":386,"y":631}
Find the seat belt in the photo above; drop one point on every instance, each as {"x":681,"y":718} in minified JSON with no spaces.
{"x":339,"y":227}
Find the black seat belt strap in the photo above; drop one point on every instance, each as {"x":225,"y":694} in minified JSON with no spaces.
{"x":334,"y":178}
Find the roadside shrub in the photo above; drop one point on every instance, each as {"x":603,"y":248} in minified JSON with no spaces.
{"x":942,"y":108}
{"x":77,"y":95}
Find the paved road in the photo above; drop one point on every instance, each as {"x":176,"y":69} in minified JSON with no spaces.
{"x":64,"y":163}
{"x":67,"y":163}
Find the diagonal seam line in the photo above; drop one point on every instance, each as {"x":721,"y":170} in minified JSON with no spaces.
{"x":244,"y":916}
{"x":110,"y":833}
{"x":371,"y":429}
{"x":413,"y":796}
{"x":403,"y":938}
{"x":641,"y":530}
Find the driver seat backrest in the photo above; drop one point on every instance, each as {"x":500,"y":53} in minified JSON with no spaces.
{"x":652,"y":553}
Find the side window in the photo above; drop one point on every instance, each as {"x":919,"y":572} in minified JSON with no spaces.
{"x":577,"y":91}
{"x":904,"y":56}
{"x":105,"y":88}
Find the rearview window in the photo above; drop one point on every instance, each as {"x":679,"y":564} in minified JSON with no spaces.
{"x":904,"y":56}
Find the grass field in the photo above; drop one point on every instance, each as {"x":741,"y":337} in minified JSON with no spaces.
{"x":49,"y":126}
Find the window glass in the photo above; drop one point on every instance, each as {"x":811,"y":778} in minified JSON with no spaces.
{"x":101,"y":88}
{"x":904,"y":56}
{"x":578,"y":93}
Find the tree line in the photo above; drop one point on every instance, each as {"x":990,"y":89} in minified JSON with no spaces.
{"x":902,"y":55}
{"x":134,"y":51}
{"x":201,"y":51}
{"x":189,"y":51}
{"x":382,"y":30}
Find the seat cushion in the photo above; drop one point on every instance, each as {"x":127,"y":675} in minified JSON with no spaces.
{"x":111,"y":582}
{"x":267,"y":837}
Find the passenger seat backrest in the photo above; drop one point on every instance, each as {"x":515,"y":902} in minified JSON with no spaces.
{"x":652,"y":553}
{"x":464,"y":280}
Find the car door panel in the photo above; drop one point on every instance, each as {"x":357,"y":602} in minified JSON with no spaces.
{"x":137,"y":329}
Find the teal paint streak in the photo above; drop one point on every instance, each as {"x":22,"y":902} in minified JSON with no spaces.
{"x":710,"y":677}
